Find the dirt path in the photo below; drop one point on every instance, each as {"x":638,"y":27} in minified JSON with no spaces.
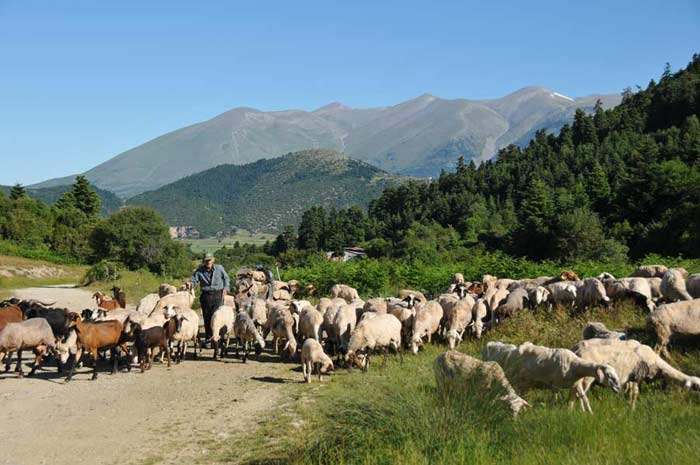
{"x":162,"y":416}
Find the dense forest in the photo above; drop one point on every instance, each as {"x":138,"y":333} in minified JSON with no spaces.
{"x":109,"y":203}
{"x":615,"y":184}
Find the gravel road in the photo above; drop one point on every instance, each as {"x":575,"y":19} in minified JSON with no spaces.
{"x":163,"y":416}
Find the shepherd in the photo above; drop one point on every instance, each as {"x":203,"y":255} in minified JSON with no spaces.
{"x":215,"y":284}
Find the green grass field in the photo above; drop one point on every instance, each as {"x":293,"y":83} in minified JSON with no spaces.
{"x":212,"y":244}
{"x":394,"y":414}
{"x":18,"y":272}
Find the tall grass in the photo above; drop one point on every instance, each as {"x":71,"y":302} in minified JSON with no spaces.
{"x":395,"y":414}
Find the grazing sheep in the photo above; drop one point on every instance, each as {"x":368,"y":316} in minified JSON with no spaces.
{"x":649,"y":271}
{"x":426,"y":322}
{"x":633,"y":361}
{"x":457,"y":317}
{"x":34,"y":334}
{"x":562,"y":293}
{"x":479,"y":313}
{"x":222,"y":329}
{"x":454,"y":371}
{"x":597,"y":330}
{"x":313,"y":357}
{"x":673,"y":286}
{"x":282,"y":324}
{"x":539,"y":366}
{"x":678,"y":318}
{"x":147,"y":304}
{"x":380,"y":332}
{"x":495,"y":296}
{"x":590,"y":292}
{"x":247,"y":335}
{"x":186,"y":331}
{"x":343,"y":325}
{"x":342,"y":291}
{"x":537,"y":296}
{"x":166,"y":289}
{"x":530,"y":283}
{"x":310,"y":322}
{"x":638,"y":289}
{"x":513,"y":303}
{"x":693,"y":285}
{"x":376,"y":305}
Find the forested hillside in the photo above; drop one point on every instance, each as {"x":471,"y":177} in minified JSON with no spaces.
{"x":267,"y":194}
{"x":619,"y":182}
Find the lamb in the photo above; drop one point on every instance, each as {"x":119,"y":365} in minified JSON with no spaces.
{"x":281,"y":323}
{"x":649,"y":271}
{"x":312,"y":356}
{"x":479,"y":312}
{"x":678,"y":318}
{"x":147,"y":303}
{"x":539,"y":366}
{"x":343,"y":326}
{"x":425,"y":323}
{"x":597,"y":330}
{"x":455,"y":371}
{"x":310,"y":322}
{"x":186,"y":331}
{"x":166,"y":289}
{"x":247,"y":335}
{"x":673,"y":286}
{"x":457,"y":317}
{"x":562,"y":293}
{"x":380,"y":332}
{"x":222,"y":329}
{"x":590,"y":292}
{"x":344,"y":292}
{"x":634,"y":362}
{"x":693,"y":285}
{"x":34,"y":334}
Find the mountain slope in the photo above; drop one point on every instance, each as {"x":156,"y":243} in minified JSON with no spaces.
{"x":266,"y":194}
{"x":50,"y":195}
{"x":420,"y":136}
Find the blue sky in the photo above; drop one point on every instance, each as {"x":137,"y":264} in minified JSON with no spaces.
{"x":81,"y":81}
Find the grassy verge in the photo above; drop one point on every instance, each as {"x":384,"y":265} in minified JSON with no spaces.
{"x":394,"y":415}
{"x":212,"y":244}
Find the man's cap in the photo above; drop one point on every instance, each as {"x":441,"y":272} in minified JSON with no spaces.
{"x":208,"y":256}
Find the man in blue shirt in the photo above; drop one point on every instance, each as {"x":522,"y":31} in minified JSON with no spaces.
{"x":214,"y":283}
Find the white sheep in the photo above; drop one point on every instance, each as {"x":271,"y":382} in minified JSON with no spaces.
{"x":310,"y":322}
{"x":457,"y":318}
{"x":638,"y":289}
{"x":649,"y":271}
{"x":538,"y":366}
{"x":281,"y":323}
{"x":633,"y":361}
{"x":34,"y":334}
{"x":405,"y":315}
{"x":297,"y":306}
{"x":479,"y":313}
{"x":426,"y":322}
{"x":257,"y":310}
{"x":673,"y":286}
{"x":380,"y":332}
{"x":181,"y":299}
{"x":166,"y":289}
{"x":343,"y":325}
{"x":678,"y":318}
{"x":377,"y":305}
{"x":323,"y":304}
{"x":412,"y":297}
{"x":222,"y":329}
{"x":331,"y":310}
{"x":147,"y":303}
{"x":454,"y":371}
{"x":590,"y":292}
{"x":187,"y":330}
{"x":247,"y":335}
{"x":345,"y":292}
{"x":514,"y":302}
{"x":562,"y":293}
{"x":313,"y":357}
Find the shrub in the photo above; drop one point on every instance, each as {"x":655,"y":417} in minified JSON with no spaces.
{"x":101,"y":271}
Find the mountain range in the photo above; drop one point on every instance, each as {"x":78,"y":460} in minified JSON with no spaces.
{"x":417,"y":137}
{"x":267,"y":194}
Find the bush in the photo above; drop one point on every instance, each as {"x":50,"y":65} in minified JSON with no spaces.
{"x":101,"y":271}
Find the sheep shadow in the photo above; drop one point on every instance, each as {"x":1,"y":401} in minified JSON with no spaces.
{"x":275,"y":380}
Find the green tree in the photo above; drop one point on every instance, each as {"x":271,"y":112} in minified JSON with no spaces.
{"x":83,"y":197}
{"x":17,"y":192}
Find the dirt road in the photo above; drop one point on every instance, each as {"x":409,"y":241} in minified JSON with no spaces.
{"x":162,"y":416}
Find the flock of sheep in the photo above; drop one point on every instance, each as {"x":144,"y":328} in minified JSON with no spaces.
{"x":351,"y":330}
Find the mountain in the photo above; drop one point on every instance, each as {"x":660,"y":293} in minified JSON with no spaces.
{"x":50,"y":195}
{"x":417,"y":137}
{"x":267,"y":194}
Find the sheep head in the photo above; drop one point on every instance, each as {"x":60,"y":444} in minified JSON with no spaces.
{"x":607,"y":376}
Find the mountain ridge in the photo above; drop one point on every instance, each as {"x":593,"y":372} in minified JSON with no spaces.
{"x":419,"y":136}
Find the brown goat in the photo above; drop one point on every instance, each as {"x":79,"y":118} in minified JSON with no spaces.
{"x":108,"y":303}
{"x":95,"y":336}
{"x":476,"y":289}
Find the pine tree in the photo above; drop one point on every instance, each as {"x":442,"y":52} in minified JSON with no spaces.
{"x":461,"y":165}
{"x":17,"y":192}
{"x":85,"y":198}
